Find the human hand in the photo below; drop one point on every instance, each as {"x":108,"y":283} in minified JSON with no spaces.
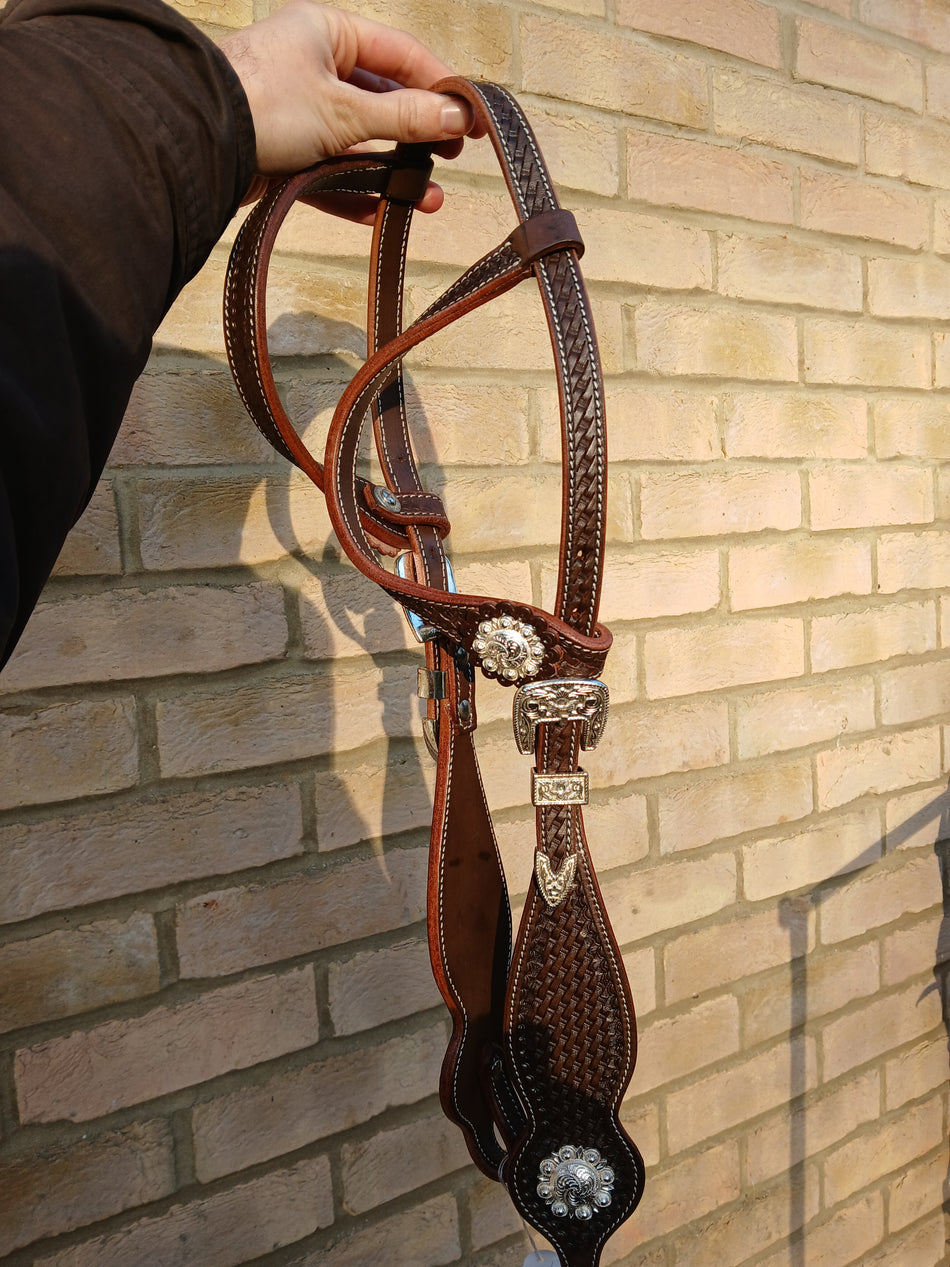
{"x":320,"y":81}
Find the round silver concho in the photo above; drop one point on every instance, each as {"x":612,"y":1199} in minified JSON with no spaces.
{"x":575,"y":1182}
{"x":508,"y":648}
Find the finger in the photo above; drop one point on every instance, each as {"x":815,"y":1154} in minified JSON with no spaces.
{"x":385,"y":51}
{"x":361,"y":209}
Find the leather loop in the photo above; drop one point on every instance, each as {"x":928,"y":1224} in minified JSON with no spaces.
{"x":545,"y":233}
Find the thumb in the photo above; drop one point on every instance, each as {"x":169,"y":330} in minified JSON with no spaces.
{"x":410,"y":115}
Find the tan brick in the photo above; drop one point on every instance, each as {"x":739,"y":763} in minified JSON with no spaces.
{"x":491,"y":1212}
{"x":865,"y":353}
{"x":344,"y":614}
{"x":752,"y":107}
{"x":187,"y":418}
{"x":67,"y":862}
{"x":648,"y":425}
{"x":937,"y":89}
{"x":888,"y":1147}
{"x":252,"y":1218}
{"x":776,"y":572}
{"x":720,"y":954}
{"x":451,"y":423}
{"x":760,"y":1219}
{"x":675,"y":1047}
{"x":915,"y":1072}
{"x":872,"y":635}
{"x":911,"y":427}
{"x":682,"y":661}
{"x":909,"y":288}
{"x":832,"y":202}
{"x":367,"y":801}
{"x":776,"y":720}
{"x":716,"y":808}
{"x":740,"y":27}
{"x":909,"y":149}
{"x":829,"y":982}
{"x":376,"y":986}
{"x":661,"y":583}
{"x":669,"y":896}
{"x":233,"y":13}
{"x":941,"y":351}
{"x":915,"y":692}
{"x":706,"y":503}
{"x":656,"y":739}
{"x":919,"y":560}
{"x":75,"y":970}
{"x":736,"y":1095}
{"x":469,"y":226}
{"x":225,"y":931}
{"x":877,"y":1027}
{"x":476,"y":41}
{"x":786,"y":1140}
{"x":865,"y":496}
{"x":203,"y":523}
{"x":839,"y":58}
{"x":492,"y":514}
{"x":581,"y":152}
{"x":63,"y":1188}
{"x":925,"y":22}
{"x":642,"y":1121}
{"x":727,"y":342}
{"x":396,"y":1161}
{"x":784,"y":270}
{"x":133,"y":634}
{"x":88,"y":1073}
{"x":915,"y":1192}
{"x":915,"y":819}
{"x":784,"y":864}
{"x":263,"y":1120}
{"x":783,"y":425}
{"x":853,"y":1230}
{"x":877,"y":765}
{"x":67,"y":750}
{"x":92,"y":547}
{"x":924,"y":1244}
{"x":675,"y":171}
{"x":644,"y":251}
{"x":909,"y":952}
{"x":632,"y":77}
{"x":941,"y":235}
{"x":296,"y":718}
{"x":640,"y":967}
{"x":424,"y":1234}
{"x":879,"y":897}
{"x":308,"y":310}
{"x":689,"y":1190}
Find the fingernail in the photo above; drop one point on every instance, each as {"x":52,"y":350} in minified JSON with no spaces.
{"x":455,"y":118}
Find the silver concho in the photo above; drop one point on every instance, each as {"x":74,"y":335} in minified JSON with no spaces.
{"x":508,"y":648}
{"x":575,"y":1183}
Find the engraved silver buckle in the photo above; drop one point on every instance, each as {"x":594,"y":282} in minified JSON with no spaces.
{"x":560,"y":789}
{"x":560,"y":700}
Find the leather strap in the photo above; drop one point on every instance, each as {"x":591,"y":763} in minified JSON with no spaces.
{"x":544,"y":1039}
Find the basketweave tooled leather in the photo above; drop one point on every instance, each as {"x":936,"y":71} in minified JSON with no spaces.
{"x":544,"y":1037}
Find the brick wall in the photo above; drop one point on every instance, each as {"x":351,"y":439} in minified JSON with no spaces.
{"x":219,"y":1042}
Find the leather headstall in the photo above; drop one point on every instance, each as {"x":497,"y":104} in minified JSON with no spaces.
{"x":544,"y":1037}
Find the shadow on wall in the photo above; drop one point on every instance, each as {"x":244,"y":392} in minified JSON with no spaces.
{"x":794,"y":917}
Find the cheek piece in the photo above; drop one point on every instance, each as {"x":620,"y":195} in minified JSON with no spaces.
{"x":544,"y":1036}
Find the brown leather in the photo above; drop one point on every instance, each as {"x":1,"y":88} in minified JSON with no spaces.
{"x":544,"y":1041}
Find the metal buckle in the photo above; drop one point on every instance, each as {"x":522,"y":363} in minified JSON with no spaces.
{"x":403,"y":569}
{"x":560,"y":789}
{"x":560,"y":700}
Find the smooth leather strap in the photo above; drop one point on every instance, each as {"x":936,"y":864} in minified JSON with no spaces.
{"x":544,"y":1040}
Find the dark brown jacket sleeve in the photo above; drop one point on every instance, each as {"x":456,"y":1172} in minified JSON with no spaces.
{"x":126,"y":145}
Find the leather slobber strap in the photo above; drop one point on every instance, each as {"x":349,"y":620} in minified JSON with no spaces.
{"x":544,"y":1036}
